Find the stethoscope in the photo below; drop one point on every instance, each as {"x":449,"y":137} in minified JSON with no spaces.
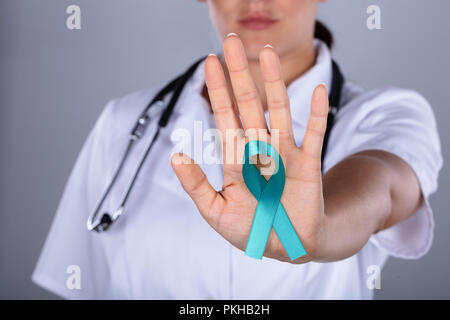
{"x":176,"y":87}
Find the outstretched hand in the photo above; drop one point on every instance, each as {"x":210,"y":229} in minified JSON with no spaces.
{"x":231,"y":211}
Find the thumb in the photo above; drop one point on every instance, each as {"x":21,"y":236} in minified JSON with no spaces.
{"x":197,"y":186}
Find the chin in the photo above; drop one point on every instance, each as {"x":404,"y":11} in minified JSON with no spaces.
{"x":253,"y":51}
{"x":254,"y":43}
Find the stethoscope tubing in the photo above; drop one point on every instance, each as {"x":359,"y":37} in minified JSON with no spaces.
{"x":138,"y":131}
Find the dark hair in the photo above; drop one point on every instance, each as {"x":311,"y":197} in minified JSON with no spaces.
{"x":322,"y":32}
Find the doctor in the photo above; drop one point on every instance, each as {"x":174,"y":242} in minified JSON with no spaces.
{"x":184,"y":227}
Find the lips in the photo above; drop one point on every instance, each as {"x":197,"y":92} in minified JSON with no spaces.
{"x":257,"y":22}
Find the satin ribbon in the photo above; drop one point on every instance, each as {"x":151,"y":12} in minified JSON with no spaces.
{"x":270,"y":211}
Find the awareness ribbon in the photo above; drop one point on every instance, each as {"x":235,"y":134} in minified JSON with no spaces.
{"x":270,"y":211}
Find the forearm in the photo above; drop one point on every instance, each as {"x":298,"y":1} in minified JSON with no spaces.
{"x":361,"y":195}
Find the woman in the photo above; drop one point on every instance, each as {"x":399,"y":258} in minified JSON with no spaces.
{"x":381,"y":165}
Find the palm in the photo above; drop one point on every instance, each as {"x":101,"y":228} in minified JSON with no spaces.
{"x":231,"y":211}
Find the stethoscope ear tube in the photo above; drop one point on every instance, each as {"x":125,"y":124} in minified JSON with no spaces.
{"x":177,"y":92}
{"x":337,"y":84}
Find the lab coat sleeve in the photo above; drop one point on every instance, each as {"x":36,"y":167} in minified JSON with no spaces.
{"x":72,"y":255}
{"x":400,"y":122}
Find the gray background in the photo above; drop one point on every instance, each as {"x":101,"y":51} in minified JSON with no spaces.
{"x":54,"y":83}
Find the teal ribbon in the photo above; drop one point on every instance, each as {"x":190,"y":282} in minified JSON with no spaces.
{"x":270,"y":211}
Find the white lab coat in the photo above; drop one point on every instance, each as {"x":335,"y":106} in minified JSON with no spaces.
{"x":162,"y":248}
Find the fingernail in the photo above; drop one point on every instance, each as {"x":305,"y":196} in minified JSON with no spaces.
{"x":268,"y":46}
{"x":212,"y":55}
{"x":232,"y":34}
{"x":323,"y":84}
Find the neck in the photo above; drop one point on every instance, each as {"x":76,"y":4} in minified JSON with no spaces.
{"x":293,"y":64}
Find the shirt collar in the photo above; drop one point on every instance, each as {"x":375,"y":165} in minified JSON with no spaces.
{"x":299,"y":91}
